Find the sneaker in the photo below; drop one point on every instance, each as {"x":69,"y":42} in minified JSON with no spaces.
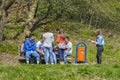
{"x":61,"y":62}
{"x":52,"y":63}
{"x":27,"y":62}
{"x":38,"y":62}
{"x":46,"y":63}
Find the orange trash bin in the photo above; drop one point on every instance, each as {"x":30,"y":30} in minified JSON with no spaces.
{"x":81,"y":54}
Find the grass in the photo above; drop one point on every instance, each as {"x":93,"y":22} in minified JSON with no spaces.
{"x":109,"y":70}
{"x":60,"y":72}
{"x":8,"y":48}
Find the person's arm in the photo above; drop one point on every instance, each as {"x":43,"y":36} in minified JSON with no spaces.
{"x":58,"y":38}
{"x":69,"y":47}
{"x":22,"y":48}
{"x":99,"y":41}
{"x":27,"y":45}
{"x":43,"y":38}
{"x":40,"y":51}
{"x":94,"y":42}
{"x":34,"y":46}
{"x":52,"y":37}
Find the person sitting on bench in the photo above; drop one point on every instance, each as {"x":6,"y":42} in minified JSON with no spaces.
{"x":68,"y":50}
{"x":22,"y":50}
{"x":30,"y":48}
{"x":40,"y":47}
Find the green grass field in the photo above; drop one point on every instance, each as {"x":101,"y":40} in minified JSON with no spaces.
{"x":60,"y":72}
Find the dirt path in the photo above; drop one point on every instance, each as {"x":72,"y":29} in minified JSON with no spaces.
{"x":9,"y":59}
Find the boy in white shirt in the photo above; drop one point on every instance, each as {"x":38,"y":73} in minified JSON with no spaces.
{"x":68,"y":50}
{"x":40,"y":47}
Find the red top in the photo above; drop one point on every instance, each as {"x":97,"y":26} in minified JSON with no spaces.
{"x":59,"y":39}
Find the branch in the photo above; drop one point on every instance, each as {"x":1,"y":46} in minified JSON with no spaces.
{"x":7,"y":4}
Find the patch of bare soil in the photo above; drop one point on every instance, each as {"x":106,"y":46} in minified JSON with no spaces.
{"x":10,"y":59}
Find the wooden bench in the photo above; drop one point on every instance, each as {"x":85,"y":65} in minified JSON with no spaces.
{"x":22,"y":56}
{"x":68,"y":57}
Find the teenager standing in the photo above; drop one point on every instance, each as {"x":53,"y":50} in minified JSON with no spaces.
{"x":48,"y":39}
{"x":99,"y":44}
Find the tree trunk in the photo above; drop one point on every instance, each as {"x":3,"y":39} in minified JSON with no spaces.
{"x":2,"y":20}
{"x":91,"y":13}
{"x":30,"y":20}
{"x":3,"y":8}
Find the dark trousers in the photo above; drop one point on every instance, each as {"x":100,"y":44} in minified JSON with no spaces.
{"x":61,"y":53}
{"x":99,"y":54}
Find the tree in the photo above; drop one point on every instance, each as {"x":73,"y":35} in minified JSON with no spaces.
{"x":2,"y":16}
{"x":4,"y":6}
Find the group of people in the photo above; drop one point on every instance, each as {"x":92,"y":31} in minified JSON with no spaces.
{"x":46,"y":47}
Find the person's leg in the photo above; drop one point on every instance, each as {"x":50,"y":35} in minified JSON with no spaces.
{"x":46,"y":55}
{"x":65,"y":54}
{"x":99,"y":54}
{"x":40,"y":58}
{"x":37,"y":56}
{"x":54,"y":58}
{"x":28,"y":53}
{"x":51,"y":55}
{"x":61,"y":53}
{"x":56,"y":52}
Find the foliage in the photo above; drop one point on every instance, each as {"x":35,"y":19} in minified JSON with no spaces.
{"x":99,"y":13}
{"x":92,"y":13}
{"x":11,"y":31}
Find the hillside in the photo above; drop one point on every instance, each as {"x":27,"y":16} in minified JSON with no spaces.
{"x":79,"y":19}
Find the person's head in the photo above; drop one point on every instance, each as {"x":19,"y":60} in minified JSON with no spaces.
{"x":59,"y":30}
{"x":31,"y":36}
{"x":26,"y":37}
{"x":46,"y":29}
{"x":67,"y":39}
{"x":98,"y":32}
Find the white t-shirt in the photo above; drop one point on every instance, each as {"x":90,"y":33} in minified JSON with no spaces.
{"x":38,"y":43}
{"x":48,"y":39}
{"x":69,"y":45}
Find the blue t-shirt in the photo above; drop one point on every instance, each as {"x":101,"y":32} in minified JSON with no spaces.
{"x":41,"y":47}
{"x":100,"y":40}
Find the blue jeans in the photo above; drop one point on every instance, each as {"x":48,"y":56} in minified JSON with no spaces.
{"x":65,"y":54}
{"x":54,"y":56}
{"x":48,"y":54}
{"x":33,"y":53}
{"x":61,"y":53}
